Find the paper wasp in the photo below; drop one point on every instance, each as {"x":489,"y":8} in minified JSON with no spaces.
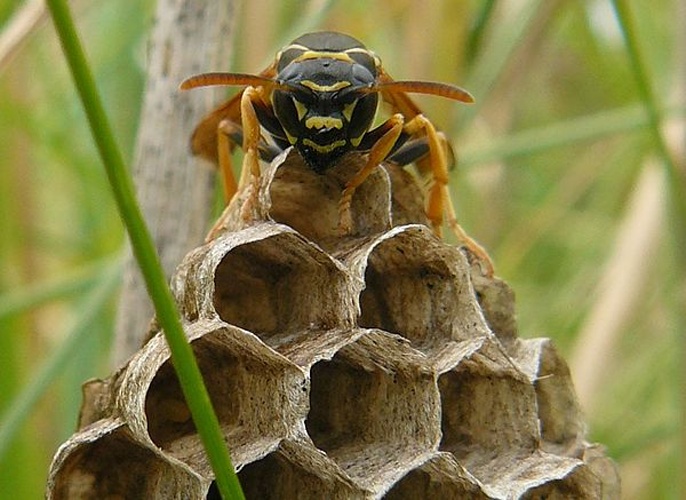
{"x":320,"y":95}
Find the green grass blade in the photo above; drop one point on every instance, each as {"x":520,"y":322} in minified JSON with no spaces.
{"x":563,"y":133}
{"x":675,"y":174}
{"x":676,"y":177}
{"x":183,"y":360}
{"x":20,"y":409}
{"x":476,"y":36}
{"x":494,"y":59}
{"x":35,"y":295}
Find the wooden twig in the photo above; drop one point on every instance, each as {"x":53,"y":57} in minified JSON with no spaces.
{"x":174,"y":190}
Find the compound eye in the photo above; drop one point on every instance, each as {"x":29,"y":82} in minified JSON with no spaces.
{"x":349,"y":95}
{"x":361,"y":75}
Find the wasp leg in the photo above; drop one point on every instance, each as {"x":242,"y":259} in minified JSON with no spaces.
{"x":250,"y":171}
{"x":251,"y":134}
{"x":230,"y":133}
{"x":378,"y":153}
{"x":266,"y":150}
{"x":439,"y":202}
{"x":227,"y":134}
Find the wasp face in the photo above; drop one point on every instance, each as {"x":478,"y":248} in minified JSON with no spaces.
{"x":326,"y":107}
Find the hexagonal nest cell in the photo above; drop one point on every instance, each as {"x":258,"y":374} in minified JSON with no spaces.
{"x":376,"y":364}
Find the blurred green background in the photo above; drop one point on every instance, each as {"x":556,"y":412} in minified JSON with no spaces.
{"x":559,"y":177}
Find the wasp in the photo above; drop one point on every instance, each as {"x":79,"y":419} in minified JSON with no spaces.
{"x":320,"y":95}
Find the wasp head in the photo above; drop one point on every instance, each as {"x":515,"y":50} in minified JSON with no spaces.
{"x":323,"y":99}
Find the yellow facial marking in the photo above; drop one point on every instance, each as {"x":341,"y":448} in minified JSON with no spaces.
{"x":325,"y":88}
{"x":319,"y":122}
{"x":300,"y":108}
{"x":317,"y":54}
{"x":348,"y":110}
{"x":325,"y":148}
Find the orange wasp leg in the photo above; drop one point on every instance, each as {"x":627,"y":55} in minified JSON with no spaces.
{"x":251,"y":136}
{"x":224,"y":143}
{"x":377,"y":154}
{"x":250,"y":171}
{"x":439,"y":202}
{"x":228,"y":130}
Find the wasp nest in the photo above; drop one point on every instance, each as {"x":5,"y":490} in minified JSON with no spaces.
{"x":382,"y":364}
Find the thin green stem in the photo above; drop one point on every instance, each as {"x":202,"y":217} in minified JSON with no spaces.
{"x":476,"y":35}
{"x":183,"y":360}
{"x":563,"y":133}
{"x":676,"y":177}
{"x":494,"y":58}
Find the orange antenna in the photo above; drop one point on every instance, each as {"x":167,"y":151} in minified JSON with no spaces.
{"x":430,"y":88}
{"x":235,"y":79}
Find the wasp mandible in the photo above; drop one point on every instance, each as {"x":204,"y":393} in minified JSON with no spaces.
{"x":320,"y":95}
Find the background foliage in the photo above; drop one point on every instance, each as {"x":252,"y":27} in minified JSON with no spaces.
{"x":559,"y":178}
